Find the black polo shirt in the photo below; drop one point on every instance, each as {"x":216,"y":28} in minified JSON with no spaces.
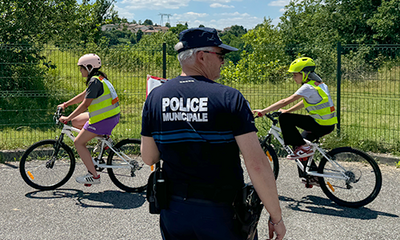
{"x":194,"y":121}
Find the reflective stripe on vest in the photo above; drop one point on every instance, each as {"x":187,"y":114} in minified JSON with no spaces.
{"x":324,"y":112}
{"x":106,"y":105}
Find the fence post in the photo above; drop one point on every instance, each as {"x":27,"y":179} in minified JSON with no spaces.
{"x":164,"y":49}
{"x":339,"y":81}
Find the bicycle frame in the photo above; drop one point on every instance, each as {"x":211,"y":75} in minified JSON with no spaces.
{"x":67,"y":130}
{"x":276,"y":132}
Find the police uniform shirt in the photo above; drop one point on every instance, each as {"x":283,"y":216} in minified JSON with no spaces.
{"x":194,"y":121}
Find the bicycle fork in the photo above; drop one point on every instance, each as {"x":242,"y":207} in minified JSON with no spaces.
{"x":57,"y":145}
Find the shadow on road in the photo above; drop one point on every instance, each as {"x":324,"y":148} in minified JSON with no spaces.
{"x":318,"y":205}
{"x":106,"y":199}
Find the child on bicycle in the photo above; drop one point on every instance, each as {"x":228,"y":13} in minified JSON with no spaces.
{"x":101,"y":101}
{"x":317,"y":101}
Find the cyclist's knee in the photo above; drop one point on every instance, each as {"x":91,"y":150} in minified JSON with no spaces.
{"x":80,"y":120}
{"x":284,"y":117}
{"x":79,"y":142}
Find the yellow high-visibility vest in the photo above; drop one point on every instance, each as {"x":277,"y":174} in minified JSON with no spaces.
{"x":323,"y":112}
{"x":106,"y":105}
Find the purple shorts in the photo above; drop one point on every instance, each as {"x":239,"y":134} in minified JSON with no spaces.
{"x":104,"y":127}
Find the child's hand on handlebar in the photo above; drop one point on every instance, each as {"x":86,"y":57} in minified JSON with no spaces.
{"x":63,"y":119}
{"x":258,"y":112}
{"x":62,"y":105}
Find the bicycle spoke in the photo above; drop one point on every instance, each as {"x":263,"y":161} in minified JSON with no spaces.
{"x":363,"y":178}
{"x":44,"y":170}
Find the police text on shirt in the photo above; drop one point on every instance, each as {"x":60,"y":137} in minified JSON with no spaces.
{"x":189,"y":109}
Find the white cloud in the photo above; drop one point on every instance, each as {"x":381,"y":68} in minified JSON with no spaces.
{"x":123,"y":12}
{"x":154,"y":4}
{"x":218,"y":1}
{"x":227,"y":20}
{"x":219,"y":5}
{"x":193,"y":19}
{"x":279,"y":3}
{"x":192,"y":15}
{"x":236,"y":14}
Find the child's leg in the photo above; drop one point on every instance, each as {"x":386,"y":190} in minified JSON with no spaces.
{"x":80,"y":120}
{"x":80,"y":144}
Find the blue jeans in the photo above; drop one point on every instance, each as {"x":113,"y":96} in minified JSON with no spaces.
{"x":197,"y":219}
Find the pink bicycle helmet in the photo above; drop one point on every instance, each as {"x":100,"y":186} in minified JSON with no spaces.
{"x":90,"y":59}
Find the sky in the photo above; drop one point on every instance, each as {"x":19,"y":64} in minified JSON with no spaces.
{"x":217,"y":14}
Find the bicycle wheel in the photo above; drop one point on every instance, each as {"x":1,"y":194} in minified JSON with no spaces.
{"x":130,"y":175}
{"x":364,"y":177}
{"x":47,"y":165}
{"x":272,"y":157}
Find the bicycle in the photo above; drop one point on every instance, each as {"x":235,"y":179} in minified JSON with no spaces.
{"x":347,"y":176}
{"x":49,"y":164}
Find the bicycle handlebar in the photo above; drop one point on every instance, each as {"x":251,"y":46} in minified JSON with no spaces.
{"x":273,"y":116}
{"x":57,"y":115}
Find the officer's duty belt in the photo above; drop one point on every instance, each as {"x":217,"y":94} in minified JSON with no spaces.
{"x":221,"y":194}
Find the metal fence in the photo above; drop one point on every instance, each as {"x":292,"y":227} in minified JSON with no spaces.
{"x":368,"y":88}
{"x":364,"y":81}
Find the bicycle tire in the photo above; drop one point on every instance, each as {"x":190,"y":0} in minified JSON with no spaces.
{"x":272,"y":157}
{"x":365,"y":180}
{"x":128,"y":178}
{"x":36,"y":169}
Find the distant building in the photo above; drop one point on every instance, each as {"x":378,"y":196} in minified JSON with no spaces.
{"x":133,"y":27}
{"x":227,"y":29}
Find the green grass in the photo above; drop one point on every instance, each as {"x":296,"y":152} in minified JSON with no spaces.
{"x":370,"y":111}
{"x":29,"y":122}
{"x":370,"y":105}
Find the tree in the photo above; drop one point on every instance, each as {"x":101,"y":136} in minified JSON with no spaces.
{"x":90,"y":18}
{"x":312,"y":28}
{"x":386,"y":22}
{"x":139,"y":35}
{"x":22,"y":27}
{"x":233,"y":37}
{"x":148,"y":22}
{"x":58,"y":21}
{"x":167,"y":25}
{"x":328,"y":21}
{"x":178,"y":28}
{"x":21,"y":22}
{"x":266,"y":60}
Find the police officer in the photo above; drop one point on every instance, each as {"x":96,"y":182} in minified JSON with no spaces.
{"x":197,"y":127}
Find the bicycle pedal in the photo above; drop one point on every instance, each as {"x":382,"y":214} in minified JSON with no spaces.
{"x":309,"y":186}
{"x":87,"y":185}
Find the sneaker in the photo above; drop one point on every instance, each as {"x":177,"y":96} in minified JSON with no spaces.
{"x":301,"y":152}
{"x":310,"y":182}
{"x":88,"y":179}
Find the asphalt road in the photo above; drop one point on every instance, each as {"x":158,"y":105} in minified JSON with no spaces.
{"x":105,"y":212}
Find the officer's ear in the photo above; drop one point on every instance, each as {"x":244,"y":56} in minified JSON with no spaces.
{"x":200,"y":57}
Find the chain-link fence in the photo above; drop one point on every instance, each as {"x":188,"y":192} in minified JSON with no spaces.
{"x":35,"y":80}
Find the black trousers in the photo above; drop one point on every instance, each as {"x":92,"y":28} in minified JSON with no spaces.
{"x":312,"y":130}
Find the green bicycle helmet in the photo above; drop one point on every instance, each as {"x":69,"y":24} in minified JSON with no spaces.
{"x":303,"y":65}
